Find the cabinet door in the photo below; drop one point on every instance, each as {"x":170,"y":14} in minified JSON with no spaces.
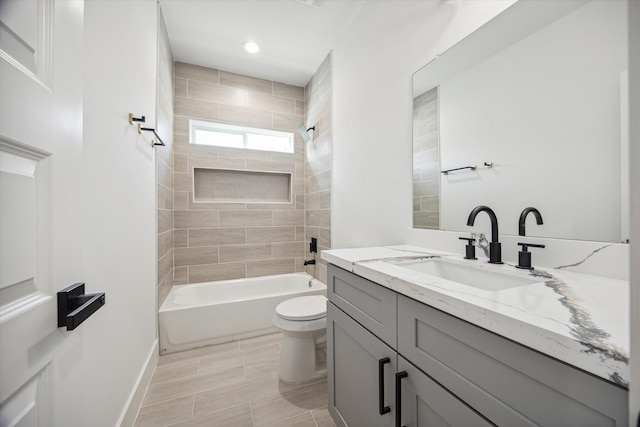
{"x":354,"y":356}
{"x":426,"y":403}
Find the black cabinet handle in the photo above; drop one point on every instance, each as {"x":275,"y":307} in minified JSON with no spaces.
{"x":399,"y":377}
{"x":381,"y":407}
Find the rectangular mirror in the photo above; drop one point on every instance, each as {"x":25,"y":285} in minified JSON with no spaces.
{"x":536,"y":101}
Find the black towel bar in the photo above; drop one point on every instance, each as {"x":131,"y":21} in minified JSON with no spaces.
{"x":142,"y":119}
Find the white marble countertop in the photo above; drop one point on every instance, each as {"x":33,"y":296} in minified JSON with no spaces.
{"x":580,"y":319}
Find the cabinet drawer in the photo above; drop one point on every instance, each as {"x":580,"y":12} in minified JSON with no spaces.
{"x":371,"y":305}
{"x":508,"y":383}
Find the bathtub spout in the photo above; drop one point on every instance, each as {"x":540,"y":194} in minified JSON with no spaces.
{"x":313,"y":261}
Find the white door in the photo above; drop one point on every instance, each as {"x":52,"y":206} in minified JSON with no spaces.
{"x":40,"y":187}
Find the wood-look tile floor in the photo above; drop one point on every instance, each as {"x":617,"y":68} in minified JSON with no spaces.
{"x":233,"y":384}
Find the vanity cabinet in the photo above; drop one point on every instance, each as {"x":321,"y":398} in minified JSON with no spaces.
{"x":366,"y":377}
{"x":456,"y":373}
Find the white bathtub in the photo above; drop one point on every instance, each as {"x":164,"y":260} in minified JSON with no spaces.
{"x":201,"y":314}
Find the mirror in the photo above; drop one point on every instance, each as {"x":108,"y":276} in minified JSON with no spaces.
{"x":536,"y":102}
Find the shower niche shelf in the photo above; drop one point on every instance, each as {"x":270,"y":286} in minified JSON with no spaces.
{"x":241,"y":186}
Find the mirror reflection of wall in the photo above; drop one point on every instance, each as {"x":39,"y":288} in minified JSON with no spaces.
{"x":426,"y":161}
{"x":546,"y":110}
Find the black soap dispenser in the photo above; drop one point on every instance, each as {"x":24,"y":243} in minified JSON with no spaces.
{"x":470,"y":249}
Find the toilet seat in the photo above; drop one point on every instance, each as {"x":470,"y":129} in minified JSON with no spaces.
{"x":305,"y":308}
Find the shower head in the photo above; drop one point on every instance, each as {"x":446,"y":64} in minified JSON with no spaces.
{"x":304,"y":132}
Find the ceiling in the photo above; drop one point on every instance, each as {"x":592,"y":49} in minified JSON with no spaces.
{"x":294,"y":35}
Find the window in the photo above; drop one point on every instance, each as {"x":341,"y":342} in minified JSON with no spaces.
{"x":224,"y":135}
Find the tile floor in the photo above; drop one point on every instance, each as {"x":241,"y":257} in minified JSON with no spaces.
{"x":233,"y":384}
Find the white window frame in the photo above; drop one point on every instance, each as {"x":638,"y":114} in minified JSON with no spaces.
{"x":245,"y":131}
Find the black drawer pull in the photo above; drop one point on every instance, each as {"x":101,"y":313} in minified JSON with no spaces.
{"x":399,"y":377}
{"x":381,"y":407}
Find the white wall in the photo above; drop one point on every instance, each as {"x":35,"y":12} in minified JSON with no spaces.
{"x":372,"y":122}
{"x":634,"y":160}
{"x":548,"y":116}
{"x":102,"y":360}
{"x":373,"y":66}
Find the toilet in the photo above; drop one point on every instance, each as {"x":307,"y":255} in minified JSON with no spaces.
{"x":303,"y":322}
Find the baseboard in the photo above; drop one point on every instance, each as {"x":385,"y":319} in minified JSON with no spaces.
{"x":130,"y":411}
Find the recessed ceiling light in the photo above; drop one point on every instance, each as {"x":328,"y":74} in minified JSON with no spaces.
{"x":251,"y":47}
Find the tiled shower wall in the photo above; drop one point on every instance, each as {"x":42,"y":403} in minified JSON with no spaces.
{"x":318,"y":165}
{"x":426,"y":161}
{"x":164,"y":161}
{"x":218,"y":241}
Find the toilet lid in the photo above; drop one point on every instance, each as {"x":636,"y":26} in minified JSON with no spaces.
{"x":303,"y":308}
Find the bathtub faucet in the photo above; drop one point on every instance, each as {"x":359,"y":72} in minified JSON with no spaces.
{"x":312,"y":261}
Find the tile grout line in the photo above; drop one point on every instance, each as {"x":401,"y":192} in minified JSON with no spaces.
{"x":193,"y":407}
{"x":251,"y":412}
{"x":314,"y":418}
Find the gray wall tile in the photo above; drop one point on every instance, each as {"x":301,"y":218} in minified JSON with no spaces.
{"x":246,"y":116}
{"x":287,"y":250}
{"x":232,"y":253}
{"x":195,"y":256}
{"x":281,"y":218}
{"x":219,"y":241}
{"x":246,"y":82}
{"x":213,"y":272}
{"x":271,"y":234}
{"x":215,"y":93}
{"x":217,"y":236}
{"x":196,"y":108}
{"x":270,"y":267}
{"x":195,"y":72}
{"x":245,"y":218}
{"x":195,"y":219}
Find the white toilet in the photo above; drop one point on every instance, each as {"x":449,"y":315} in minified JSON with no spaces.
{"x":303,"y":322}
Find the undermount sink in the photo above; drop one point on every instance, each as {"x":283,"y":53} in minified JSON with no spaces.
{"x":480,"y":278}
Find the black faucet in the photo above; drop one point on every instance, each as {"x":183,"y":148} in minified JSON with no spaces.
{"x":495,"y":250}
{"x":523,"y":218}
{"x":524,"y":256}
{"x":308,"y":262}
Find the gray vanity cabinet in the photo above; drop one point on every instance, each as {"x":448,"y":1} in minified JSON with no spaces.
{"x":510,"y":384}
{"x":360,"y":364}
{"x":354,"y":380}
{"x":457,"y":373}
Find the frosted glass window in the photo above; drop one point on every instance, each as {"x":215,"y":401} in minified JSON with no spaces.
{"x":225,"y":135}
{"x":219,"y":139}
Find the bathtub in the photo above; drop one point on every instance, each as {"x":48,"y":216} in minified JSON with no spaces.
{"x":201,"y":314}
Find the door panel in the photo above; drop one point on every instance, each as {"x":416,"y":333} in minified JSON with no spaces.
{"x":427,"y":404}
{"x":26,"y":37}
{"x":353,"y":354}
{"x":40,"y":185}
{"x":30,"y":406}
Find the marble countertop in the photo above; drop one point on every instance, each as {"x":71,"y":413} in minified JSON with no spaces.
{"x":580,"y":319}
